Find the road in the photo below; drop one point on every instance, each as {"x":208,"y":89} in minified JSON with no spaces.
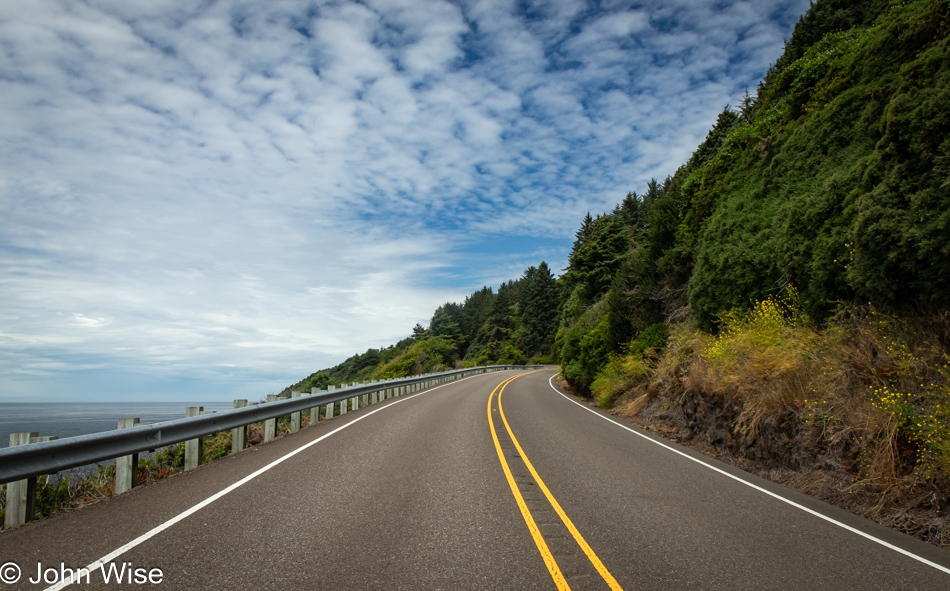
{"x":431,"y":491}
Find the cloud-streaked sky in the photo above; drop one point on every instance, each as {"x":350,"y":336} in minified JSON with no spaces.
{"x":211,"y":200}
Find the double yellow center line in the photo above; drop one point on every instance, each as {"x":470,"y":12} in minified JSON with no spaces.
{"x":546,"y":554}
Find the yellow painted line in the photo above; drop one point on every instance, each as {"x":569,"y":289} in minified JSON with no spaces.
{"x":528,"y":518}
{"x":547,"y":493}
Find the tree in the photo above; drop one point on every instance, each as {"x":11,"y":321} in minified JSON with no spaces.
{"x":583,"y":233}
{"x":598,"y":258}
{"x":539,"y":308}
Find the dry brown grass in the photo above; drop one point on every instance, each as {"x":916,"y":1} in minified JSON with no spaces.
{"x":633,"y":407}
{"x":865,"y":381}
{"x":856,"y":412}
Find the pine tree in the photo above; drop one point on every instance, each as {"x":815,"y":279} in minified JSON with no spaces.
{"x":583,"y":233}
{"x":539,"y":308}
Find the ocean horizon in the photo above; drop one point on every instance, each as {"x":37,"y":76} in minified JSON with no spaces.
{"x":69,"y":419}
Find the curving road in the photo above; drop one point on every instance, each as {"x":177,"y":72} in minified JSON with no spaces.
{"x":483,"y":483}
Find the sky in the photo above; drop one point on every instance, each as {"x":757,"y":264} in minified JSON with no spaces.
{"x":207,"y":200}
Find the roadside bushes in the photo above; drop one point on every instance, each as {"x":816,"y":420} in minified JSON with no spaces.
{"x":769,"y":358}
{"x":868,"y":392}
{"x":620,"y":375}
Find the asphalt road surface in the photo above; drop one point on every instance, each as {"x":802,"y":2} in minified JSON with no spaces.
{"x":482,"y":483}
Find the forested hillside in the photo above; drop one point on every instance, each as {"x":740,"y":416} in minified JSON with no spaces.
{"x":515,"y":324}
{"x":783,"y":296}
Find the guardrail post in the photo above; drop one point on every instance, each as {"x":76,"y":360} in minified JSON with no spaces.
{"x":330,"y":406}
{"x":239,"y":434}
{"x":295,"y":416}
{"x":194,"y":448}
{"x":315,"y":411}
{"x":343,"y":404}
{"x":126,"y":467}
{"x":21,"y":495}
{"x":270,"y":425}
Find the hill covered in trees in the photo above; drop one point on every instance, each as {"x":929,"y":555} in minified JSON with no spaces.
{"x":515,"y":324}
{"x":781,"y":298}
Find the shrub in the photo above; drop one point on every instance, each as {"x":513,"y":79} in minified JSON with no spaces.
{"x":619,"y":376}
{"x":765,"y":357}
{"x":653,"y":337}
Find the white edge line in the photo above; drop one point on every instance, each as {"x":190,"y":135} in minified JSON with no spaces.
{"x":758,"y":488}
{"x":160,"y":528}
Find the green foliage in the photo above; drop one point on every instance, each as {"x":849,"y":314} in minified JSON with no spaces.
{"x":598,"y":256}
{"x":584,"y":346}
{"x":540,"y":304}
{"x":399,"y":367}
{"x":426,"y":356}
{"x":923,"y":418}
{"x":216,"y":446}
{"x":835,"y":185}
{"x":652,"y":338}
{"x":172,"y":456}
{"x":619,"y":376}
{"x":52,"y":495}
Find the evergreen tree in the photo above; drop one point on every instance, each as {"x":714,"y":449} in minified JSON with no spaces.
{"x":597,"y":260}
{"x":540,"y":307}
{"x":583,"y":233}
{"x":632,"y":212}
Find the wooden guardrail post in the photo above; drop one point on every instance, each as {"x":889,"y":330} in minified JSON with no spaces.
{"x":194,"y":448}
{"x":21,"y":495}
{"x":315,"y":411}
{"x":270,"y":425}
{"x":330,"y":407}
{"x":126,"y":467}
{"x":295,"y":416}
{"x":239,"y":434}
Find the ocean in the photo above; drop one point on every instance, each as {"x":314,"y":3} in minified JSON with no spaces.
{"x":68,"y":419}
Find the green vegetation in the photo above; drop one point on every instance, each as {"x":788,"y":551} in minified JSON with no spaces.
{"x":835,"y":179}
{"x":786,"y":288}
{"x":514,"y":325}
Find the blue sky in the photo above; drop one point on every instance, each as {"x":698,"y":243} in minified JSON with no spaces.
{"x":211,"y":200}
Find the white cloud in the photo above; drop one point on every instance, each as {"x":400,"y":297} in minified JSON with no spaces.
{"x":243,"y":192}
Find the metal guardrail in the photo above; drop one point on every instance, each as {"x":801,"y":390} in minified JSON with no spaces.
{"x":49,"y":457}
